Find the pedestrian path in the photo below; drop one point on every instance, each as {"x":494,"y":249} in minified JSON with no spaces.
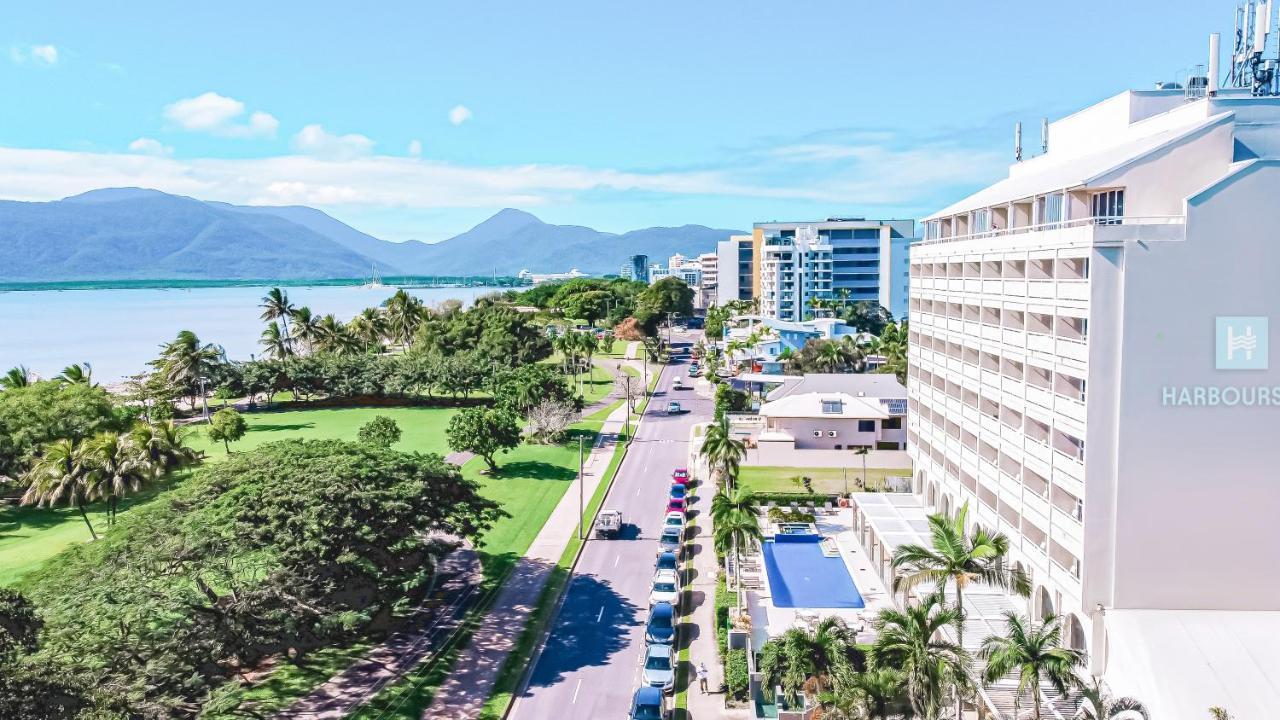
{"x":475,"y":672}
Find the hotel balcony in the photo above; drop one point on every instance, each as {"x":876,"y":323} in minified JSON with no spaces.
{"x":1088,"y":231}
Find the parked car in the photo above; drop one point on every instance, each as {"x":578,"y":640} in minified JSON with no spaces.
{"x":673,"y":408}
{"x":666,"y":561}
{"x":648,"y":704}
{"x":665,"y":588}
{"x":675,"y":519}
{"x":678,"y":491}
{"x":680,"y":475}
{"x":661,"y":627}
{"x":670,"y":539}
{"x":659,"y":667}
{"x":676,"y":505}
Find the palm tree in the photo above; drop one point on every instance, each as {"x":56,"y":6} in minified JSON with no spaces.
{"x":1098,"y":704}
{"x":723,"y":451}
{"x":330,"y":334}
{"x":55,"y":476}
{"x":185,"y":360}
{"x":1035,"y":653}
{"x":587,"y":344}
{"x":17,"y":377}
{"x":863,"y":450}
{"x":912,"y":642}
{"x":112,"y":469}
{"x":733,"y":535}
{"x":305,"y":327}
{"x":833,"y":356}
{"x":276,"y":306}
{"x":877,"y":694}
{"x":369,"y":327}
{"x":404,"y":316}
{"x":727,"y":504}
{"x":161,"y":447}
{"x":274,"y":342}
{"x":956,"y":556}
{"x":810,"y":662}
{"x":78,"y":374}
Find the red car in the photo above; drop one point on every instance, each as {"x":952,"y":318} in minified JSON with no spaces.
{"x":676,"y":505}
{"x":681,"y":476}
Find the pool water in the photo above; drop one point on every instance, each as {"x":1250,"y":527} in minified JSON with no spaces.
{"x":800,"y":575}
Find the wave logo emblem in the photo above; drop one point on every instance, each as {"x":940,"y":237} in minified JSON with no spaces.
{"x":1241,"y":343}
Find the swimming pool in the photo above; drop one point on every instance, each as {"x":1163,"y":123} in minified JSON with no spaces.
{"x":801,"y":575}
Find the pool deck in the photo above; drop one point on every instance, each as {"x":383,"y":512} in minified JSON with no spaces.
{"x":768,"y":620}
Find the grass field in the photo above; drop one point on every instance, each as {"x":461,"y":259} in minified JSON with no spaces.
{"x":825,"y":480}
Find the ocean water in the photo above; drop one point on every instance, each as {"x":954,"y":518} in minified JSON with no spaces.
{"x":118,"y":330}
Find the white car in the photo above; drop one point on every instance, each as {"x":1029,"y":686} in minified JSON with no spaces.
{"x":674,"y":520}
{"x":666,"y":588}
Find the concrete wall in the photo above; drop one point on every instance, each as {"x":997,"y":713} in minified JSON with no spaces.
{"x":846,"y":433}
{"x":1196,"y":496}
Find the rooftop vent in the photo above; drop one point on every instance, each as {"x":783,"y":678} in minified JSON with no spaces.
{"x":1168,"y":85}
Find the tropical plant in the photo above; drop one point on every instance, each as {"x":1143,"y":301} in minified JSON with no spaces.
{"x":227,"y":426}
{"x":185,"y":360}
{"x":732,"y":503}
{"x":958,"y":557}
{"x":305,"y":328}
{"x":1098,"y":704}
{"x":15,"y":378}
{"x":275,"y":343}
{"x":57,"y":476}
{"x":78,"y":374}
{"x":369,"y":327}
{"x":485,"y":432}
{"x":912,"y":641}
{"x":1034,"y":653}
{"x":800,"y":660}
{"x":877,"y":694}
{"x":734,"y":535}
{"x":112,"y":468}
{"x":381,"y":431}
{"x":723,"y":451}
{"x":276,"y":306}
{"x":404,"y":315}
{"x":162,"y":446}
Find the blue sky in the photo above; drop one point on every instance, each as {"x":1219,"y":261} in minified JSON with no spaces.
{"x":419,"y":119}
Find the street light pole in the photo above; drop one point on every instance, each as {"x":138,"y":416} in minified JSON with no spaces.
{"x":582,"y":510}
{"x":204,"y":397}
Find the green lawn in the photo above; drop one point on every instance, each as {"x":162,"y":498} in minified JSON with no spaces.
{"x":825,"y":480}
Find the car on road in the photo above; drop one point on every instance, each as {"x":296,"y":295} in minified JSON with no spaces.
{"x":674,"y":519}
{"x":673,"y":408}
{"x":661,"y":627}
{"x":666,"y":561}
{"x":677,"y":384}
{"x":676,"y":505}
{"x":659,"y":667}
{"x":678,"y":491}
{"x":693,"y":370}
{"x":670,"y":539}
{"x":680,"y":475}
{"x":665,"y":588}
{"x":648,"y":704}
{"x":609,"y":524}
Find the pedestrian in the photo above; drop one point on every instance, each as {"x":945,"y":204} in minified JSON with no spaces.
{"x":703,"y":674}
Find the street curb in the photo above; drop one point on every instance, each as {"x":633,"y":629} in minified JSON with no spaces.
{"x":527,"y":675}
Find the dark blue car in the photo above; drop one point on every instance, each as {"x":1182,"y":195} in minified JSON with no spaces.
{"x":678,"y":491}
{"x":667,"y":561}
{"x":661,"y":627}
{"x":648,"y":704}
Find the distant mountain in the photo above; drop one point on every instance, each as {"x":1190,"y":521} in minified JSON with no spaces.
{"x":135,"y":233}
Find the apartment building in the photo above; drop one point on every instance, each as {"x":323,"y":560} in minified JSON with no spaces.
{"x":709,"y":264}
{"x":636,"y":268}
{"x":736,"y":269}
{"x":1088,"y":372}
{"x":847,"y":258}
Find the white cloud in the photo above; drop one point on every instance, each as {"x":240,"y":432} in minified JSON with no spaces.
{"x":315,"y":140}
{"x":219,"y":115}
{"x":37,"y":54}
{"x":459,"y":114}
{"x":415,"y":148}
{"x":150,"y":146}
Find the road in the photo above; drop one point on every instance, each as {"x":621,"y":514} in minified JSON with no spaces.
{"x":591,"y":663}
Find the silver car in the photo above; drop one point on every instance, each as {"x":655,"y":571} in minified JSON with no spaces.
{"x":660,"y":667}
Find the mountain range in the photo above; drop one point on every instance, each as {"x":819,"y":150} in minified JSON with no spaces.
{"x":140,"y":234}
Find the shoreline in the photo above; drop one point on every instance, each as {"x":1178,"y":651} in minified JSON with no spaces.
{"x":394,"y":281}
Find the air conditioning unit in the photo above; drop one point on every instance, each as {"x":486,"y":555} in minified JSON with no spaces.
{"x":817,"y":433}
{"x":831,"y":433}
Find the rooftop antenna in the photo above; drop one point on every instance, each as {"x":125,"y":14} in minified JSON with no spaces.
{"x":1017,"y":142}
{"x":1044,"y":135}
{"x":1249,"y":66}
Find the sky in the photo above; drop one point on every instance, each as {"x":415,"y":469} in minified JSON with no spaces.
{"x":420,"y":119}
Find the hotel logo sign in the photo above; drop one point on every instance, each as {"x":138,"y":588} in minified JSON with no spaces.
{"x":1241,"y":343}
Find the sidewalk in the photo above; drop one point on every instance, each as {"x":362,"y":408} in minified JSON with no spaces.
{"x":475,"y":672}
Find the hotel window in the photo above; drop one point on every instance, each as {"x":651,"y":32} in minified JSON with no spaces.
{"x":981,"y":220}
{"x":893,"y":423}
{"x":1108,"y":207}
{"x":866,"y":426}
{"x":1053,"y":208}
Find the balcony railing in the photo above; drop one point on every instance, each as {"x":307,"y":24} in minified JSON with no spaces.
{"x":1078,"y":222}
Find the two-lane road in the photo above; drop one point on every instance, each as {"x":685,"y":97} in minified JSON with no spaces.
{"x":592,"y":660}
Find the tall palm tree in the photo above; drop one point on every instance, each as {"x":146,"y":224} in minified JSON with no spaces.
{"x":1035,"y":654}
{"x":723,"y":451}
{"x":56,"y":476}
{"x":800,"y":660}
{"x":330,"y":334}
{"x":369,"y":327}
{"x":833,"y":356}
{"x":112,"y":469}
{"x":275,"y":343}
{"x":912,"y":641}
{"x":877,"y":694}
{"x":958,"y":557}
{"x":276,"y":306}
{"x":1098,"y":704}
{"x":737,"y":502}
{"x":185,"y":360}
{"x":17,"y":377}
{"x":733,"y":535}
{"x":305,"y":328}
{"x":78,"y":374}
{"x":404,"y":316}
{"x":587,"y":345}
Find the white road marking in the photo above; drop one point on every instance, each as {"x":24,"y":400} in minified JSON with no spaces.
{"x":576,"y":688}
{"x":600,"y":615}
{"x":616,"y":559}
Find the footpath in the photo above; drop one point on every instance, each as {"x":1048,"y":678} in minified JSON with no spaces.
{"x":475,"y":672}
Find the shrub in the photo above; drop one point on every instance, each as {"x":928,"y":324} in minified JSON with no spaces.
{"x":797,"y":516}
{"x":736,"y":677}
{"x":381,"y":431}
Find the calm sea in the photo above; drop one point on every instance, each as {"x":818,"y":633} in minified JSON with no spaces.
{"x":118,"y":330}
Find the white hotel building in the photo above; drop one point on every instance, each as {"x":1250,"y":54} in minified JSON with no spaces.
{"x":1069,"y":381}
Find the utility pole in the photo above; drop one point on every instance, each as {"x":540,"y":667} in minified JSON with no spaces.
{"x":582,"y":510}
{"x":204,"y":397}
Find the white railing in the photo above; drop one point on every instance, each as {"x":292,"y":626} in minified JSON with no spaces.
{"x":1078,"y":222}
